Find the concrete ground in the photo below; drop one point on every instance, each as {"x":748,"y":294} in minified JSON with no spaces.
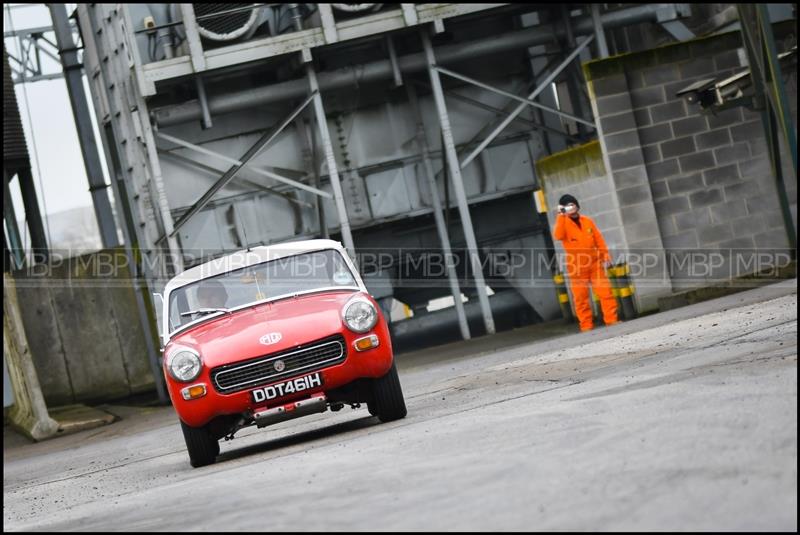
{"x":683,"y":420}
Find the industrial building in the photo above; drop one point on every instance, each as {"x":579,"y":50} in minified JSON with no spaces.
{"x":432,"y":140}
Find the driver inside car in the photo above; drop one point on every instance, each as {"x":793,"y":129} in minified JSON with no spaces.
{"x":212,"y":294}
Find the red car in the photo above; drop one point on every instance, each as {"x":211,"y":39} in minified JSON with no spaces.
{"x":273,"y":333}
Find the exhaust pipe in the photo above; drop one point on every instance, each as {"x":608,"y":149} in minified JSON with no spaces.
{"x":296,"y":409}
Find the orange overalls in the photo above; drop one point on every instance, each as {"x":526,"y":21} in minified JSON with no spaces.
{"x":586,"y":252}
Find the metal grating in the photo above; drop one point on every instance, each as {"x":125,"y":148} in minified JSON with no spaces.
{"x":315,"y":356}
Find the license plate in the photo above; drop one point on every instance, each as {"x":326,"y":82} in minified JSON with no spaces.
{"x":266,"y":393}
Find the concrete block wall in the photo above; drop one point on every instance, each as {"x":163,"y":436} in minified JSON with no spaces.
{"x":83,"y":329}
{"x":688,"y":182}
{"x":580,"y":172}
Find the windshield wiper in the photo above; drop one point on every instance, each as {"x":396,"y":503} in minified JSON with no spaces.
{"x":204,"y":311}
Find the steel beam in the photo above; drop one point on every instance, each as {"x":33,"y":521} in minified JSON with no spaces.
{"x":452,"y":277}
{"x":541,"y":87}
{"x":328,"y":23}
{"x":214,"y":170}
{"x":234,"y":161}
{"x":73,"y":74}
{"x":574,"y":78}
{"x":768,"y":85}
{"x":12,"y":228}
{"x":410,"y":14}
{"x":193,"y":38}
{"x":333,"y":172}
{"x":32,"y":214}
{"x":120,"y":185}
{"x":458,"y":184}
{"x":776,"y":85}
{"x":599,"y":32}
{"x":238,"y":165}
{"x":499,"y":113}
{"x":309,"y":147}
{"x":527,"y":101}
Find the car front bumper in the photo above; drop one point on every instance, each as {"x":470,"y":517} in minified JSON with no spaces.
{"x":371,"y":363}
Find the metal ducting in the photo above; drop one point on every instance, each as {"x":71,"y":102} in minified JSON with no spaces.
{"x":356,"y":8}
{"x":221,"y":22}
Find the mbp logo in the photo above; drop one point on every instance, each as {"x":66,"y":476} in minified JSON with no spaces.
{"x":270,"y":338}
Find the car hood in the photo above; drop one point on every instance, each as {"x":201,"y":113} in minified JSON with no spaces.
{"x":285,"y":324}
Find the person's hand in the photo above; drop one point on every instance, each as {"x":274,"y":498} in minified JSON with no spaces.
{"x":561,"y":210}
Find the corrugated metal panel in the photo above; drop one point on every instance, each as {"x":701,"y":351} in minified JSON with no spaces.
{"x":15,"y":150}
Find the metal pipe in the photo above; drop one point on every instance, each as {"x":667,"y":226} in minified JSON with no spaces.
{"x":378,"y":70}
{"x":201,"y":96}
{"x":441,"y":325}
{"x":398,"y":78}
{"x":452,"y":277}
{"x":73,"y":74}
{"x":545,"y":83}
{"x":458,"y":184}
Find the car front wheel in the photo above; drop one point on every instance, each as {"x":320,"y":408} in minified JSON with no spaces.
{"x":388,"y":403}
{"x":203,"y":448}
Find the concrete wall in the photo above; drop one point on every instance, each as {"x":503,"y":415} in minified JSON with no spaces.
{"x":685,"y":184}
{"x":620,"y":207}
{"x":83,"y":328}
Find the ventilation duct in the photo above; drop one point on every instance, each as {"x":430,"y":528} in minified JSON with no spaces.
{"x":357,"y":8}
{"x":220,"y":22}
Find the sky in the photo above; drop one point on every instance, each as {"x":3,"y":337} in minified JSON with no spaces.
{"x":59,"y":175}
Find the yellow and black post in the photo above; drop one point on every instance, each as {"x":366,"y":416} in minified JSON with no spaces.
{"x":563,"y":296}
{"x":623,"y":290}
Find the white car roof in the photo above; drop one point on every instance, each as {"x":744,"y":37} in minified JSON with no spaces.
{"x":245,"y":258}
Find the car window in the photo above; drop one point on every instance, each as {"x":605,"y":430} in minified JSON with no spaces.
{"x":267,"y":280}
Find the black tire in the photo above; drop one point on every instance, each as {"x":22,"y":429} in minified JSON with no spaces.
{"x":202,"y":447}
{"x":389,"y":403}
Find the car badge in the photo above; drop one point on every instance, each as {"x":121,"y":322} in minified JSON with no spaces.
{"x":279,"y":365}
{"x":270,"y":338}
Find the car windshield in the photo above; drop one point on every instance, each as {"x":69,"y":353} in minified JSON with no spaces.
{"x":282,"y":277}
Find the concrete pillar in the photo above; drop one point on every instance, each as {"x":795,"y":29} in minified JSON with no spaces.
{"x":29,"y":414}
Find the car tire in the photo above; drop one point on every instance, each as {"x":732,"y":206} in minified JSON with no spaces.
{"x":389,"y":403}
{"x":202,"y":447}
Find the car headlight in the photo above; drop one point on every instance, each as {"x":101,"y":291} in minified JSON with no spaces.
{"x":360,"y":315}
{"x":184,"y":365}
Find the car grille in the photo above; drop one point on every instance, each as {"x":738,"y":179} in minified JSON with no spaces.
{"x":304,"y":359}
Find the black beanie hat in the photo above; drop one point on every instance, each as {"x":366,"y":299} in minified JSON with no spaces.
{"x":566,"y":199}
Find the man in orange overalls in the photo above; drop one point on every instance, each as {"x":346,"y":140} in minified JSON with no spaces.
{"x":587,"y":257}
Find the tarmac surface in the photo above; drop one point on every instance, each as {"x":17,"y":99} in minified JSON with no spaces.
{"x":682,"y":420}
